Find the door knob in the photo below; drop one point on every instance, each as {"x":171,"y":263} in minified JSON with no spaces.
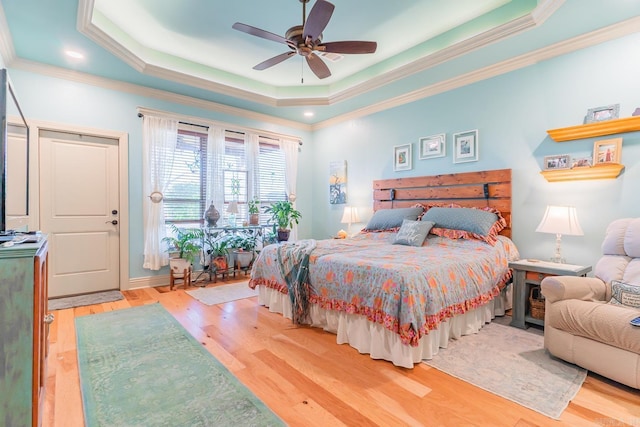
{"x":48,"y":319}
{"x":114,"y":222}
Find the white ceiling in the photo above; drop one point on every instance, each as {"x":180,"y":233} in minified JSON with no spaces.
{"x":188,"y":47}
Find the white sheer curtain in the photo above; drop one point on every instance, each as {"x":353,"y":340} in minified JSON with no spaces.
{"x":215,"y":166}
{"x":252,"y":154}
{"x":159,"y":138}
{"x":290,"y":149}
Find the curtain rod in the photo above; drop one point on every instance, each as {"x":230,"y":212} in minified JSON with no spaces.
{"x":142,"y":110}
{"x":184,"y":123}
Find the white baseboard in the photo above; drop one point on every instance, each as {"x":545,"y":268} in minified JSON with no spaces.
{"x":146,"y":282}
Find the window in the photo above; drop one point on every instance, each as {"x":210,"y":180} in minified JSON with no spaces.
{"x":271,"y":175}
{"x":185,"y":198}
{"x":185,"y":195}
{"x":235,"y":173}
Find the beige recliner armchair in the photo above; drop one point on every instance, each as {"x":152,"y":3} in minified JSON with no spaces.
{"x":581,"y":326}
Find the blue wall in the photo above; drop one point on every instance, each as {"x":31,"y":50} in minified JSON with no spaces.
{"x":512,"y":113}
{"x":61,"y":101}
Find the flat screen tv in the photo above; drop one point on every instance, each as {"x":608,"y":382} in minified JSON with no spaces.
{"x":14,"y":158}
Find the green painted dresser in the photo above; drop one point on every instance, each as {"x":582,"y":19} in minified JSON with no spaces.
{"x":24,"y":327}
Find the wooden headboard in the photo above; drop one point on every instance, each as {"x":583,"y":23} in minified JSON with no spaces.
{"x":465,"y":189}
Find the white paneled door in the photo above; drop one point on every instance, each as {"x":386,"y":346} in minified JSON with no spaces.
{"x":79,"y":211}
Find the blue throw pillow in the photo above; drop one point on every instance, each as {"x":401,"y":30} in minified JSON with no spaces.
{"x":413,"y":233}
{"x":472,"y":220}
{"x":389,"y":219}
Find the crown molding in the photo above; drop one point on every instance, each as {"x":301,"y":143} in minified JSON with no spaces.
{"x":86,"y":26}
{"x":461,"y":48}
{"x":116,"y":85}
{"x":6,"y":42}
{"x":601,"y":35}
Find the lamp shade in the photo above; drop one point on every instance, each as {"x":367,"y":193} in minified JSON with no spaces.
{"x":560,"y":220}
{"x":233,"y":207}
{"x":350,"y":215}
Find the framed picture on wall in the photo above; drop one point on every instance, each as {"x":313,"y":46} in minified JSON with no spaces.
{"x":465,"y":146}
{"x":607,"y":151}
{"x":402,"y":157}
{"x":600,"y":114}
{"x":432,"y":146}
{"x":338,"y":182}
{"x":561,"y":161}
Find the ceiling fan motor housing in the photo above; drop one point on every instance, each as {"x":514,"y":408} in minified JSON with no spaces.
{"x":301,"y":46}
{"x":306,"y":38}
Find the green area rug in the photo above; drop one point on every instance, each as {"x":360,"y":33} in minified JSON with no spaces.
{"x":140,"y":367}
{"x":513,"y":364}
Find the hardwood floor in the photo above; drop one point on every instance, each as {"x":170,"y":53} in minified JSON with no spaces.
{"x":309,"y":380}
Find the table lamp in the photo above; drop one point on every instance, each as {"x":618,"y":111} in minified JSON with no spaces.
{"x":560,"y":220}
{"x":232,"y":210}
{"x":349,"y":216}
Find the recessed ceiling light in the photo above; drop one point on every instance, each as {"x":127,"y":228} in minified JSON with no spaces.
{"x":308,"y":113}
{"x":73,"y":54}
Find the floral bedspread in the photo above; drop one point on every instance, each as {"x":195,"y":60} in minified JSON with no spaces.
{"x":409,"y":290}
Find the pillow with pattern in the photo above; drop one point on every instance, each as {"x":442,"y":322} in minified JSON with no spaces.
{"x":625,"y":294}
{"x":413,"y":233}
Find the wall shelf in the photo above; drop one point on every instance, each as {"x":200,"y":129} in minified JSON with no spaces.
{"x":589,"y":130}
{"x":605,"y":171}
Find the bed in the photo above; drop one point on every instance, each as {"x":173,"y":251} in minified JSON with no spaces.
{"x":402,"y":302}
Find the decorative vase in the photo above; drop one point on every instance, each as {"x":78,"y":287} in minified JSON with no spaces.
{"x":212,"y":216}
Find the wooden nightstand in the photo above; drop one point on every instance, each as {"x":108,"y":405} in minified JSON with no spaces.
{"x":529,"y":273}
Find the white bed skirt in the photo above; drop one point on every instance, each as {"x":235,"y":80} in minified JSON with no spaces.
{"x":380,"y":343}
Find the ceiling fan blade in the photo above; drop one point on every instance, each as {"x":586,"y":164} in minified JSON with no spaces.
{"x":348,"y":47}
{"x":260,"y":33}
{"x":318,"y":66}
{"x":318,"y":19}
{"x":273,"y":61}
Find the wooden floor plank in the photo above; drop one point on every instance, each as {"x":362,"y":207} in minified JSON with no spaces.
{"x":309,"y":380}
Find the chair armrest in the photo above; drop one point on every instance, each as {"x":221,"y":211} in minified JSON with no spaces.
{"x":556,"y":288}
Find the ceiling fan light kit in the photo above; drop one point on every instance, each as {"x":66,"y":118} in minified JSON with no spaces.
{"x":306,"y":39}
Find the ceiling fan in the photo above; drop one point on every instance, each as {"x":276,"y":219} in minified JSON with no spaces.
{"x":306,"y":39}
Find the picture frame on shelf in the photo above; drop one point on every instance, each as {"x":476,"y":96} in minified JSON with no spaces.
{"x":600,"y":114}
{"x":402,"y":157}
{"x":432,"y":147}
{"x":581,"y":162}
{"x":607,"y":151}
{"x":556,"y":162}
{"x":465,"y":146}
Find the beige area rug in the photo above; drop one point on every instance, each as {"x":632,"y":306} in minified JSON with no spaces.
{"x":224,"y":293}
{"x":512,"y":363}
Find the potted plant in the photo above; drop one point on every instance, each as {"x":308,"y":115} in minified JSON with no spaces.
{"x":243,"y":246}
{"x":283,"y":216}
{"x":254,"y":212}
{"x":218,"y":247}
{"x":184,"y":244}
